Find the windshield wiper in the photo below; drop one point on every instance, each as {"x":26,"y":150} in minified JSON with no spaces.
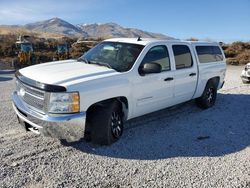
{"x":83,"y":60}
{"x":94,"y":62}
{"x":101,"y":64}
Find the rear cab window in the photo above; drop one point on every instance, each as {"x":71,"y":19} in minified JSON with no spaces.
{"x":209,"y":54}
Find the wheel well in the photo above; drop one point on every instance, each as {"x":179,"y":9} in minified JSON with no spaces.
{"x":214,"y":80}
{"x":122,"y":100}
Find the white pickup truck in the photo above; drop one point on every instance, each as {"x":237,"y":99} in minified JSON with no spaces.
{"x":117,"y":80}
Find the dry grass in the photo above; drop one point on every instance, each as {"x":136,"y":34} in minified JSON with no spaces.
{"x":237,"y":52}
{"x":44,"y":45}
{"x":23,"y":31}
{"x":44,"y":48}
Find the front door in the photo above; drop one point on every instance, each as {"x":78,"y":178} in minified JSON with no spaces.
{"x":154,"y":91}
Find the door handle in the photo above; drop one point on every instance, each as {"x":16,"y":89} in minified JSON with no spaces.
{"x":168,"y":79}
{"x":192,"y":74}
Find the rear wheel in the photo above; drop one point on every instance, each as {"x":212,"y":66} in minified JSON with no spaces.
{"x":106,"y":123}
{"x":208,"y":97}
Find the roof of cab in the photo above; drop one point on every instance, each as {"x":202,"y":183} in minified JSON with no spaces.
{"x":145,"y":41}
{"x":141,"y":41}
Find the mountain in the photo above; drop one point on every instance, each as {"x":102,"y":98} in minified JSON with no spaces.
{"x":55,"y":25}
{"x":110,"y":30}
{"x":106,"y":30}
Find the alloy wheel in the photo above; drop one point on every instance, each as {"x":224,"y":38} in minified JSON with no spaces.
{"x":116,"y":124}
{"x":210,"y":95}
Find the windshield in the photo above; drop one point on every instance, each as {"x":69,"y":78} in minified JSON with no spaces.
{"x":26,"y":47}
{"x":115,"y":55}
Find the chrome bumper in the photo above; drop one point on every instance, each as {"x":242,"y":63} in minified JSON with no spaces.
{"x":69,"y":127}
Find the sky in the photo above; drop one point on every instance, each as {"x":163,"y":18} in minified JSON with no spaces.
{"x":217,"y":20}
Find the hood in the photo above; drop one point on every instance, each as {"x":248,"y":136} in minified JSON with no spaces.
{"x":63,"y":72}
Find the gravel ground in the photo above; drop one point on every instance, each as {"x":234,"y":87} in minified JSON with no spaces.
{"x":178,"y":147}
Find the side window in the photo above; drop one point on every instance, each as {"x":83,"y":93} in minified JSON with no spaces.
{"x":158,"y":54}
{"x":217,"y":52}
{"x":182,"y":56}
{"x":208,"y":54}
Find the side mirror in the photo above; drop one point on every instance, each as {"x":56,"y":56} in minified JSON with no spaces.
{"x":149,"y":68}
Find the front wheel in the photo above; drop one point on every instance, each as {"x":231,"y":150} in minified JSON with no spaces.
{"x":106,"y":123}
{"x":208,"y":97}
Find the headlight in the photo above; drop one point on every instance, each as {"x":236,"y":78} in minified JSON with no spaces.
{"x":247,"y":67}
{"x":64,"y":102}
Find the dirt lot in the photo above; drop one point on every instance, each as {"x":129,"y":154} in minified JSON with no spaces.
{"x":178,"y":147}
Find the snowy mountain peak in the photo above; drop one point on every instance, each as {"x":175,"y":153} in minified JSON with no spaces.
{"x":94,"y":30}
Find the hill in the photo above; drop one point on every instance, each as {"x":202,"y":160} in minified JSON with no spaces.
{"x":111,"y":30}
{"x":55,"y":25}
{"x":18,"y":30}
{"x":58,"y":26}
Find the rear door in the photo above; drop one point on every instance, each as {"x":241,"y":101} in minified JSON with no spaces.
{"x":185,"y":73}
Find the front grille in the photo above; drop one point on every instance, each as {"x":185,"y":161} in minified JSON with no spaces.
{"x":33,"y":91}
{"x":31,"y":96}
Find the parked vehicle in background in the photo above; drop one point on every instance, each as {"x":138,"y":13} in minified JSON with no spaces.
{"x":245,"y":74}
{"x":62,"y":51}
{"x":117,"y":80}
{"x":25,"y":55}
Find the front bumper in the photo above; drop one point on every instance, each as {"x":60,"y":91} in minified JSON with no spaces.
{"x":69,"y":127}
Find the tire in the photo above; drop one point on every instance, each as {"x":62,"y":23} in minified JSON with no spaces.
{"x":106,"y":123}
{"x":208,"y":97}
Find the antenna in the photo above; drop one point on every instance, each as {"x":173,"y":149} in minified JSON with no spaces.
{"x":139,"y":39}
